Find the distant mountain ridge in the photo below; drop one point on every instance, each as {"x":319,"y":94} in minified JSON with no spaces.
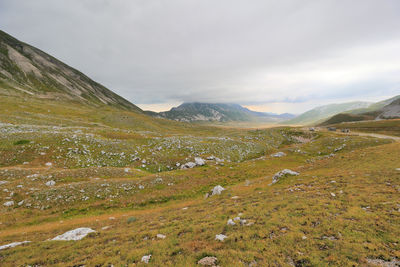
{"x":217,"y":112}
{"x":28,"y":71}
{"x":323,"y":112}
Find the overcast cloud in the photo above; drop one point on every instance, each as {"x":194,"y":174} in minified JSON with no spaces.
{"x":269,"y":55}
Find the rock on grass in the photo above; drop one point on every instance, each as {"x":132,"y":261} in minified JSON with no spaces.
{"x":76,"y":234}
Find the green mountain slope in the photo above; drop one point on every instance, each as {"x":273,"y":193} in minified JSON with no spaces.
{"x":320,"y":113}
{"x":386,"y":109}
{"x":28,"y":71}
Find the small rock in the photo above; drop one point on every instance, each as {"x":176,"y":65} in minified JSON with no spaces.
{"x":208,"y":261}
{"x":333,"y":194}
{"x":231,"y":222}
{"x":49,"y":164}
{"x":146,"y":258}
{"x":161,"y":236}
{"x":278,"y":155}
{"x":51,"y":183}
{"x":199,"y":161}
{"x":220,"y":237}
{"x":217,"y":190}
{"x":8,"y":203}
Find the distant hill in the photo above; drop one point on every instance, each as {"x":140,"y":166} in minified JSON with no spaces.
{"x":28,"y":71}
{"x":218,"y":112}
{"x":320,"y":113}
{"x":387,"y":109}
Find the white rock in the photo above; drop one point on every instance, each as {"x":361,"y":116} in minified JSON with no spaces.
{"x":8,"y":203}
{"x":398,"y":169}
{"x":51,"y":183}
{"x":304,"y":237}
{"x":199,"y":161}
{"x":333,"y":194}
{"x":3,"y":182}
{"x":127,"y":170}
{"x":189,"y":165}
{"x":76,"y":234}
{"x":49,"y":164}
{"x":278,"y":155}
{"x":14,"y":244}
{"x":20,"y":203}
{"x":161,"y":236}
{"x":220,"y":237}
{"x":146,"y":258}
{"x":284,"y":172}
{"x":217,"y":190}
{"x":231,"y":222}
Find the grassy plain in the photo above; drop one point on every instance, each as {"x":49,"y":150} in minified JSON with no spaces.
{"x":117,"y":173}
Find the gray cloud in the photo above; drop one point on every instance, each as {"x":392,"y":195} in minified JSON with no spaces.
{"x":250,"y":52}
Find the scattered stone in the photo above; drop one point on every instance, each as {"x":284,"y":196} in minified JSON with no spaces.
{"x":379,"y":262}
{"x":3,"y":182}
{"x":51,"y":183}
{"x":49,"y":164}
{"x":126,"y":170}
{"x":161,"y":236}
{"x":231,"y":222}
{"x":14,"y":244}
{"x":20,"y":203}
{"x":278,"y":155}
{"x":208,"y":261}
{"x":304,"y":237}
{"x":220,"y":237}
{"x":146,"y":258}
{"x":333,"y":194}
{"x":235,"y":197}
{"x":284,"y":172}
{"x":76,"y":234}
{"x":217,"y":190}
{"x":8,"y":203}
{"x":199,"y":161}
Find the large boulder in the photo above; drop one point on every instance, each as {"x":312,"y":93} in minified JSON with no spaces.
{"x":284,"y":172}
{"x":76,"y":234}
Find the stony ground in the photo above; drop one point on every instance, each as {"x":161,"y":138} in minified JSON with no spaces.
{"x":147,"y":194}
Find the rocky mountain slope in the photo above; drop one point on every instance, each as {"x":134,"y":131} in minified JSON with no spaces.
{"x":28,"y":71}
{"x":219,"y":112}
{"x":323,"y":112}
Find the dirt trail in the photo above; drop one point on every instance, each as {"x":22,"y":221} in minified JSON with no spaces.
{"x":396,"y":138}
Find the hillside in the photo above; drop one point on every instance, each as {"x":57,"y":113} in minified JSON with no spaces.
{"x":322,"y":112}
{"x":375,"y":112}
{"x":218,"y":112}
{"x":390,"y":111}
{"x":29,"y":72}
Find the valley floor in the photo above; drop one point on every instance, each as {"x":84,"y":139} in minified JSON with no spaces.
{"x":343,"y":209}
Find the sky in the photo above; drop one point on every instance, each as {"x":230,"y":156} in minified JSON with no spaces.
{"x":276,"y":56}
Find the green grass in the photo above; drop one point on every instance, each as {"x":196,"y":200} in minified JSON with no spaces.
{"x":90,"y":152}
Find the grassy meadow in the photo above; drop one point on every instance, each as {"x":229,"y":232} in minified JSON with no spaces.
{"x":120,"y":173}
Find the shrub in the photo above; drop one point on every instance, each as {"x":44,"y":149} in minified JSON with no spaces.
{"x":21,"y":142}
{"x":131,"y":219}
